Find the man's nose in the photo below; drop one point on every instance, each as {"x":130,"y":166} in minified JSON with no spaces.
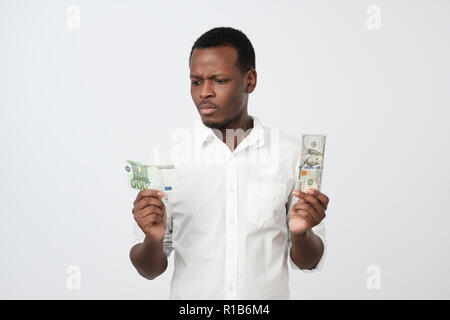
{"x":207,"y":89}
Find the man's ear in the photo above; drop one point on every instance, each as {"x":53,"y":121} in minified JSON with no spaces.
{"x":251,"y":81}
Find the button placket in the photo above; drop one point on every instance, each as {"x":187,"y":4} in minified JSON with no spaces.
{"x":231,"y":231}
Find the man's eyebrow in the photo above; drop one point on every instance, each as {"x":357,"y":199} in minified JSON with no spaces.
{"x":211,"y":77}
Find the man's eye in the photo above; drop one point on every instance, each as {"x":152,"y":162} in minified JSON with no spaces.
{"x":221,"y":81}
{"x":195,"y":83}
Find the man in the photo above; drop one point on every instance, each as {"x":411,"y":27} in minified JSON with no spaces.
{"x":232,"y":224}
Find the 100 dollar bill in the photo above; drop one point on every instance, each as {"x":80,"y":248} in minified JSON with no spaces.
{"x":311,"y":162}
{"x":157,"y":177}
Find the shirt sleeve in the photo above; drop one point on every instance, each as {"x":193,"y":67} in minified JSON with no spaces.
{"x":167,"y":242}
{"x":319,"y":229}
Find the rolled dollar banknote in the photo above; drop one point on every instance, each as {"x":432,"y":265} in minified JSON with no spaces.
{"x":142,"y":176}
{"x":311,"y":162}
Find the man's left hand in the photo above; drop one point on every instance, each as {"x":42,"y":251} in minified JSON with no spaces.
{"x":308,"y":212}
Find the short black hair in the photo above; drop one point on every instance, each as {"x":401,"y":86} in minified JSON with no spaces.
{"x":226,"y":36}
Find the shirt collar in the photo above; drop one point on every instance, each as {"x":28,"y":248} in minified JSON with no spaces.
{"x":256,"y":136}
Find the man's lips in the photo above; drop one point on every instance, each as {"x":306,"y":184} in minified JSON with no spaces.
{"x":207,"y":109}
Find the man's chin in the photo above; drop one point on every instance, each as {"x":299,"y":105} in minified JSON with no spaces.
{"x":215,"y":124}
{"x":211,"y":124}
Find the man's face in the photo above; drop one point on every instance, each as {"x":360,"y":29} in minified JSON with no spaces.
{"x":216,"y":82}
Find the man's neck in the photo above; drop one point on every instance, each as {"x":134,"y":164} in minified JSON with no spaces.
{"x":237,"y":131}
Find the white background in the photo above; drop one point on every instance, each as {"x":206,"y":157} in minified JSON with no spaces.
{"x":76,"y":103}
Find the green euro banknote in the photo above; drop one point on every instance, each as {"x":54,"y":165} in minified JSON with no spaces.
{"x":311,"y":162}
{"x":157,"y":177}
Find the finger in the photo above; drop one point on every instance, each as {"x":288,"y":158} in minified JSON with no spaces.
{"x":150,"y":220}
{"x":300,"y":201}
{"x":299,"y":207}
{"x":155,"y":218}
{"x":154,"y":210}
{"x":312,"y":200}
{"x":148,"y":201}
{"x":323,"y":199}
{"x":308,"y":217}
{"x":317,"y":216}
{"x":319,"y":195}
{"x":150,"y":210}
{"x":148,"y":193}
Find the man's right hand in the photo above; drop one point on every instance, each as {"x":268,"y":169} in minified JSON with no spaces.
{"x":150,"y":213}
